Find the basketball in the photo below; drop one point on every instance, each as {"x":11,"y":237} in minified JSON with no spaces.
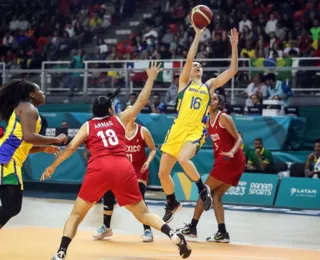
{"x":201,"y":16}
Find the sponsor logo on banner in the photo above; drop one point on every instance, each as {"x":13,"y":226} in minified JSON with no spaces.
{"x":50,"y":132}
{"x":305,"y":193}
{"x":240,"y":190}
{"x":72,"y":132}
{"x":262,"y":189}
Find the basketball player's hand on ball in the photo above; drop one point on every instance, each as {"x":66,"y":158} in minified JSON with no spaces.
{"x":145,"y":167}
{"x":47,"y":173}
{"x":234,"y":37}
{"x":154,"y":69}
{"x":228,"y":154}
{"x":198,"y":30}
{"x":52,"y":150}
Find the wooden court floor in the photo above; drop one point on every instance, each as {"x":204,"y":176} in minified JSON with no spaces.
{"x":33,"y":243}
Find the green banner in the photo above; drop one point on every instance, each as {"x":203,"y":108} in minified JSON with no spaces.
{"x":300,"y":193}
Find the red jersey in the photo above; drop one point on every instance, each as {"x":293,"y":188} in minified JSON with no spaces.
{"x":136,"y":149}
{"x":106,"y":136}
{"x":223,"y":141}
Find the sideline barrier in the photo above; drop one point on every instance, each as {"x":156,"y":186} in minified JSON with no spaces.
{"x":253,"y":189}
{"x":299,"y":193}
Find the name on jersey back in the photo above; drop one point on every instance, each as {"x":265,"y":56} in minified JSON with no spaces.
{"x":103,"y":124}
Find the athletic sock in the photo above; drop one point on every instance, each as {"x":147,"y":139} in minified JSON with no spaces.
{"x":194,"y":222}
{"x":171,"y":199}
{"x":222,"y":228}
{"x":107,"y":220}
{"x":165,"y":229}
{"x":146,"y":227}
{"x":65,"y":241}
{"x":200,"y":185}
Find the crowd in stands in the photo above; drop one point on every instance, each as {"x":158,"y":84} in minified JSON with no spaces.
{"x":36,"y":31}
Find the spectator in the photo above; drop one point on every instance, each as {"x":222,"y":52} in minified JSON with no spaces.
{"x":245,"y":22}
{"x":156,"y":106}
{"x":275,"y":51}
{"x":246,"y":35}
{"x":312,"y":168}
{"x":277,"y":90}
{"x":64,"y":124}
{"x":260,"y":51}
{"x":261,"y":21}
{"x":219,"y":30}
{"x":132,"y":99}
{"x":273,"y":39}
{"x":167,"y":37}
{"x":271,"y":24}
{"x":8,"y":40}
{"x":256,"y":100}
{"x":280,"y":32}
{"x":255,"y":86}
{"x":291,"y":47}
{"x":102,"y":45}
{"x":248,"y":50}
{"x":287,"y":22}
{"x":205,"y":37}
{"x":172,"y":92}
{"x":14,"y":23}
{"x":315,"y":30}
{"x":260,"y":159}
{"x":149,"y":32}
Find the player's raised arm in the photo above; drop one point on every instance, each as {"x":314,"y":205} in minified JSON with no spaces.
{"x":79,"y":138}
{"x":225,"y":76}
{"x":185,"y":74}
{"x":144,"y":95}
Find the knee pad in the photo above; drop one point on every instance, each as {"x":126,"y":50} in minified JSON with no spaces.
{"x":142,"y":189}
{"x":109,"y":200}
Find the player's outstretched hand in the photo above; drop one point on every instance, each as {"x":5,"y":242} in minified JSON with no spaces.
{"x":198,"y":30}
{"x":228,"y":154}
{"x":62,"y":138}
{"x":47,"y":173}
{"x":154,"y":69}
{"x":234,"y":37}
{"x":145,"y":167}
{"x":51,"y":149}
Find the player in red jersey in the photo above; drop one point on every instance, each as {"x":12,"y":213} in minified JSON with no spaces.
{"x":138,"y":138}
{"x":109,"y":168}
{"x":227,"y":169}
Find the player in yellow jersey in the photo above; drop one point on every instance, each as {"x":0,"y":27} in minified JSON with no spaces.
{"x":19,"y":100}
{"x":188,"y":132}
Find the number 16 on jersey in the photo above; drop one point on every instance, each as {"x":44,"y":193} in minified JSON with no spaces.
{"x":195,"y":103}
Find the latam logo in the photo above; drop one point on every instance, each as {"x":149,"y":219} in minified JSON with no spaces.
{"x":307,"y":193}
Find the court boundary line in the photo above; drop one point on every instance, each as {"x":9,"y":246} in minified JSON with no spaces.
{"x":188,"y":239}
{"x":193,"y":255}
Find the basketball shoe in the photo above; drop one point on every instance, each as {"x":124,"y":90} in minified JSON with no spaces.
{"x":205,"y":196}
{"x":147,"y":236}
{"x":103,"y":232}
{"x":170,"y":210}
{"x":188,"y":230}
{"x":219,"y":238}
{"x":59,"y":256}
{"x":184,"y":249}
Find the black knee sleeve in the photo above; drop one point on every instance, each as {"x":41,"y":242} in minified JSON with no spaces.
{"x":109,"y":200}
{"x":11,"y":197}
{"x":142,"y":189}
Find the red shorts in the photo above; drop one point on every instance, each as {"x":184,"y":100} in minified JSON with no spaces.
{"x":229,"y":171}
{"x":114,"y":173}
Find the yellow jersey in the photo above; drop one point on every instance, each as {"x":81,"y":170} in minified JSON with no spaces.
{"x":12,"y":145}
{"x":193,"y":102}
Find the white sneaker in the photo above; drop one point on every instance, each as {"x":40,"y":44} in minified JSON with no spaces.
{"x":103,"y":232}
{"x":147,"y":236}
{"x":59,"y":256}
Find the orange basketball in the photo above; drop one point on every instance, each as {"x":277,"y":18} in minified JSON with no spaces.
{"x":201,"y":16}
